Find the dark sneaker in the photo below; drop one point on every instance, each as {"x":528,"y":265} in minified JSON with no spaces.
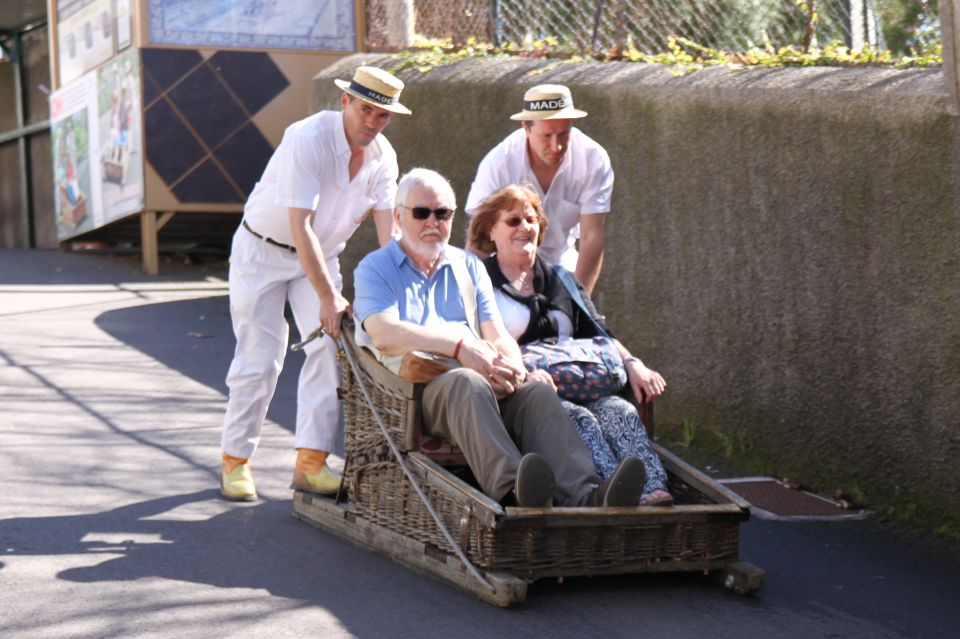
{"x":535,"y":482}
{"x":625,"y":486}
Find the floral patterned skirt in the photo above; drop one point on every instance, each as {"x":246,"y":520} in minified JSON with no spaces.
{"x":612,"y":430}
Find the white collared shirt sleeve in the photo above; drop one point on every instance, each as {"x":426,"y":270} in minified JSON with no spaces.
{"x":299,"y":170}
{"x":598,"y":186}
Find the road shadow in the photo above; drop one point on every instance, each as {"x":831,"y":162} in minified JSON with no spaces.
{"x":824,"y":580}
{"x":194,"y":337}
{"x":51,"y":266}
{"x":261,"y":547}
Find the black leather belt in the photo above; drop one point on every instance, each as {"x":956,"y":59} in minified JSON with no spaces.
{"x":269,"y":240}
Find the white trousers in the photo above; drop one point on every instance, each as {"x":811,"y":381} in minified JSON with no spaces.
{"x":262,"y":278}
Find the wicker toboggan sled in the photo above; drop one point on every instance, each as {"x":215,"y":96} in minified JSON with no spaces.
{"x":488,"y":550}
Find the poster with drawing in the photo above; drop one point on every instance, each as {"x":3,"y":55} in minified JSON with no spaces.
{"x":76,"y":147}
{"x":119,"y":124}
{"x":85,"y":36}
{"x":95,"y":125}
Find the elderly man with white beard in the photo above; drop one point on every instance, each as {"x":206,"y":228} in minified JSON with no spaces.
{"x":417,"y":293}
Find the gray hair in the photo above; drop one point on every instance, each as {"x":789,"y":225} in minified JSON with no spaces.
{"x":427,"y":178}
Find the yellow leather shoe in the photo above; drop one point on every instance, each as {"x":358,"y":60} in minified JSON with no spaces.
{"x":312,"y":473}
{"x":324,"y":482}
{"x":236,"y":479}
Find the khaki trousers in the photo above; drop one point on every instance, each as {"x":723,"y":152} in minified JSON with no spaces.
{"x":460,"y":406}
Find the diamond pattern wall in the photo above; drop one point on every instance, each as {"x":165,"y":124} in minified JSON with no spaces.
{"x":199,"y":136}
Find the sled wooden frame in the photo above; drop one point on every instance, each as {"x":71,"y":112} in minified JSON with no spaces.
{"x":509,"y":547}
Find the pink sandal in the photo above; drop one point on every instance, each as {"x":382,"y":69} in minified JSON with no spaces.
{"x":657,"y":498}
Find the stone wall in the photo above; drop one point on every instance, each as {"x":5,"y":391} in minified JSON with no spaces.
{"x":783,"y":247}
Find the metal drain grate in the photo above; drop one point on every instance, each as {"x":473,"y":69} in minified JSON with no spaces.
{"x":771,"y":499}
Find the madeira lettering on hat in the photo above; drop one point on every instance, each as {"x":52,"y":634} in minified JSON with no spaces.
{"x":548,"y":102}
{"x":545,"y":105}
{"x":377,"y":87}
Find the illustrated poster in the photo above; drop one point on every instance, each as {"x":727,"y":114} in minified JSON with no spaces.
{"x":120,"y":121}
{"x":85,"y":34}
{"x":75,"y":145}
{"x":95,"y":126}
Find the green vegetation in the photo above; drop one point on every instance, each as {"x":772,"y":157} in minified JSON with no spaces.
{"x":689,"y":56}
{"x":911,"y":25}
{"x":735,"y":445}
{"x":735,"y":452}
{"x":855,"y":494}
{"x":684,"y":55}
{"x":688,"y":433}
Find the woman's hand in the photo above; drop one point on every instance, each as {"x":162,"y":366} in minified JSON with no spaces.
{"x":543,"y":377}
{"x":647,"y":384}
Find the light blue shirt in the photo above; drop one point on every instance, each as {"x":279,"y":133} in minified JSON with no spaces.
{"x":386,"y":281}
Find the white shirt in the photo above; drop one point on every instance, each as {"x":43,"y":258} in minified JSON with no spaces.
{"x":582,"y":186}
{"x":516,"y":316}
{"x":310,"y":170}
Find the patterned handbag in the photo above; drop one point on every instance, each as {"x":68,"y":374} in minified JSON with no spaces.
{"x":583,"y":370}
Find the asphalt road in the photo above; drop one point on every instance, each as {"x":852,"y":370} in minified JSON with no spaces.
{"x":111,"y":396}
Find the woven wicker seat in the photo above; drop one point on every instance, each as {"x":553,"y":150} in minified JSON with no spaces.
{"x":699,"y":533}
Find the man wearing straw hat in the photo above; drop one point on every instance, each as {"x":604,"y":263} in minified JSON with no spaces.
{"x":569,"y":171}
{"x":329,"y":171}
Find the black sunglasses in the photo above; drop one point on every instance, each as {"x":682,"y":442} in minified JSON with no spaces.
{"x":515,"y":221}
{"x":423,"y":212}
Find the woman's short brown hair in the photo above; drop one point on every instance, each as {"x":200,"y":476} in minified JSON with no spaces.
{"x":488,"y":213}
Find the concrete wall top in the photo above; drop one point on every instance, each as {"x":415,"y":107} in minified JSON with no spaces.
{"x":915,"y":89}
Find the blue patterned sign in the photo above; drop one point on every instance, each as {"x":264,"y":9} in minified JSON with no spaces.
{"x":316,"y":25}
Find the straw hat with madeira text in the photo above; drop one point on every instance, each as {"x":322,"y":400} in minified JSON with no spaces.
{"x":548,"y":102}
{"x":377,"y":87}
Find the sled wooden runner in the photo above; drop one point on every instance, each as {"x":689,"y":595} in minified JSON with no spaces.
{"x":326,"y":515}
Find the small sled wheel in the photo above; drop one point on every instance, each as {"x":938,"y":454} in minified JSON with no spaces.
{"x":740,"y":577}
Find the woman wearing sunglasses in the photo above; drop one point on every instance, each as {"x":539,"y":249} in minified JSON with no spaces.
{"x":536,"y":305}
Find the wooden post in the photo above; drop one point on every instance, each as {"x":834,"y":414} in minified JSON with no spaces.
{"x":949,"y":34}
{"x":148,"y":242}
{"x":360,"y":25}
{"x":149,"y":246}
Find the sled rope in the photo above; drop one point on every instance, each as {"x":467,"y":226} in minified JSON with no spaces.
{"x":406,"y":471}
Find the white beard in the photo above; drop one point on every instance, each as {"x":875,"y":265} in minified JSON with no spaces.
{"x":426,"y":251}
